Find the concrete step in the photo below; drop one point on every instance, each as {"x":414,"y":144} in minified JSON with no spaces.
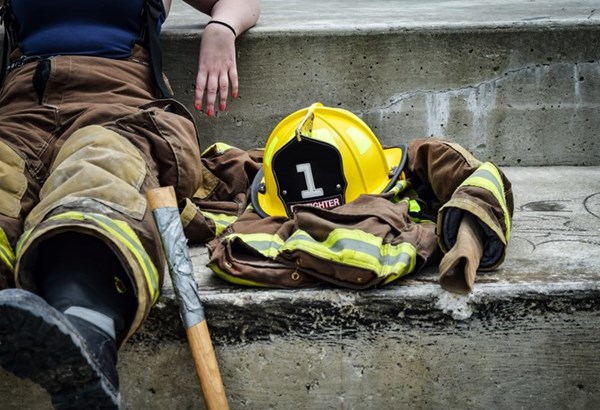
{"x":527,"y":337}
{"x":514,"y":81}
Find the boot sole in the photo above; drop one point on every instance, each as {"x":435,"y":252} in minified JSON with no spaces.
{"x":38,"y":343}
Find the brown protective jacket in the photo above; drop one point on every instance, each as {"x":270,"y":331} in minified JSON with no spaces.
{"x":441,"y":176}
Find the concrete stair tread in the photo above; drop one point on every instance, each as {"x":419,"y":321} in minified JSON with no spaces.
{"x":554,"y":249}
{"x":338,"y":15}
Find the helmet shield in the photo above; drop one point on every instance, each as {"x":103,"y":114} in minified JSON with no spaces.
{"x":309,"y":172}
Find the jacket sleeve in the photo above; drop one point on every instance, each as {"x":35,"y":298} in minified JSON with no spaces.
{"x":227,"y":173}
{"x":452,"y":181}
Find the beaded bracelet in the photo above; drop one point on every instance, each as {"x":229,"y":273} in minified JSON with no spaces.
{"x":223,"y":24}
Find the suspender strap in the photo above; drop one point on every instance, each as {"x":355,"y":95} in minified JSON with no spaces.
{"x":6,"y":18}
{"x":4,"y":57}
{"x":154,"y":9}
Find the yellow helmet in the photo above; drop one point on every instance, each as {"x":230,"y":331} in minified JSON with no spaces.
{"x":323,"y":157}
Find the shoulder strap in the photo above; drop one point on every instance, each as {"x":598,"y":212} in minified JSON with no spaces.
{"x":154,"y":9}
{"x":7,"y":20}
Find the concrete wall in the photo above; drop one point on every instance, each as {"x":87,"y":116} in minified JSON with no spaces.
{"x":517,"y":96}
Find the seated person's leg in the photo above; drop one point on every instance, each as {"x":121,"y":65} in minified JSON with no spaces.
{"x":65,"y":340}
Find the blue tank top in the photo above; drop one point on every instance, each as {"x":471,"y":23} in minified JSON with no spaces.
{"x":105,"y":28}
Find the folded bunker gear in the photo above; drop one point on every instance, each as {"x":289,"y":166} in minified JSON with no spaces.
{"x":373,"y":238}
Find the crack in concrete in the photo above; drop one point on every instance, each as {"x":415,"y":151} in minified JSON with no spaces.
{"x":399,"y":98}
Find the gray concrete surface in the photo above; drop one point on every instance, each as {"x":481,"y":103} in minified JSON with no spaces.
{"x":387,"y":15}
{"x":514,"y":81}
{"x":527,"y":337}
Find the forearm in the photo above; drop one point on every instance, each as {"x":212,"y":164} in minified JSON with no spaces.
{"x":239,"y":14}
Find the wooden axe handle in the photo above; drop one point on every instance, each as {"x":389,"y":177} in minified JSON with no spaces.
{"x":180,"y":266}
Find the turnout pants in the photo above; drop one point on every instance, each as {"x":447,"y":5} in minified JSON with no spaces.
{"x":81,"y":141}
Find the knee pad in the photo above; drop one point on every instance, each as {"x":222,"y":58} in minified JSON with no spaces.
{"x":96,"y":167}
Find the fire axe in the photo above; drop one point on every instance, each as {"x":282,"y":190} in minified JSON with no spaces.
{"x":163,"y":203}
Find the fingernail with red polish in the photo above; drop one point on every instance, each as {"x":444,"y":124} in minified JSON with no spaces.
{"x":222,"y":107}
{"x":234,"y":95}
{"x":210,"y":112}
{"x":198,"y":107}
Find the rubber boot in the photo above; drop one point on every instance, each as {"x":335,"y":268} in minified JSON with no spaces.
{"x":78,"y":270}
{"x":39,"y":343}
{"x":65,"y":338}
{"x":459,"y":265}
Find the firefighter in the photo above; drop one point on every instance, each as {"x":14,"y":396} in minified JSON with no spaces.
{"x":328,"y":204}
{"x":87,"y":125}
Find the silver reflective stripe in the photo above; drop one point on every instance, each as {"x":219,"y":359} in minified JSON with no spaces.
{"x":106,"y":323}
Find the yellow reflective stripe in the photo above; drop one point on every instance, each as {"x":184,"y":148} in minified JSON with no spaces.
{"x":487,"y":177}
{"x":220,"y":147}
{"x":22,"y":240}
{"x":413,"y":206}
{"x":125,"y":234}
{"x":221,"y":221}
{"x":7,"y":255}
{"x":357,"y":248}
{"x":233,"y":279}
{"x":267,"y":245}
{"x":401,"y":185}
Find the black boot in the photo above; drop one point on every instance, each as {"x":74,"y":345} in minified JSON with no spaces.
{"x":71,"y":358}
{"x":64,"y":339}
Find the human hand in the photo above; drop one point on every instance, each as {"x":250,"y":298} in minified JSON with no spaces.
{"x":217,"y":69}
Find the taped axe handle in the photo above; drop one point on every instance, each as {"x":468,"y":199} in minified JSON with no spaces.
{"x":166,"y":214}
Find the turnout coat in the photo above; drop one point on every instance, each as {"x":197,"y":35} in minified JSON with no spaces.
{"x":372,"y":240}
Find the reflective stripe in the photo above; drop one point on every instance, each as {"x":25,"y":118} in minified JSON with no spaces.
{"x":122,"y":232}
{"x":351,"y":247}
{"x":400,"y":195}
{"x":267,"y":245}
{"x":487,"y":177}
{"x":413,"y":206}
{"x":219,"y":147}
{"x":406,"y":259}
{"x":7,"y":255}
{"x":234,"y":279}
{"x":401,"y":185}
{"x":357,"y":248}
{"x":221,"y":221}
